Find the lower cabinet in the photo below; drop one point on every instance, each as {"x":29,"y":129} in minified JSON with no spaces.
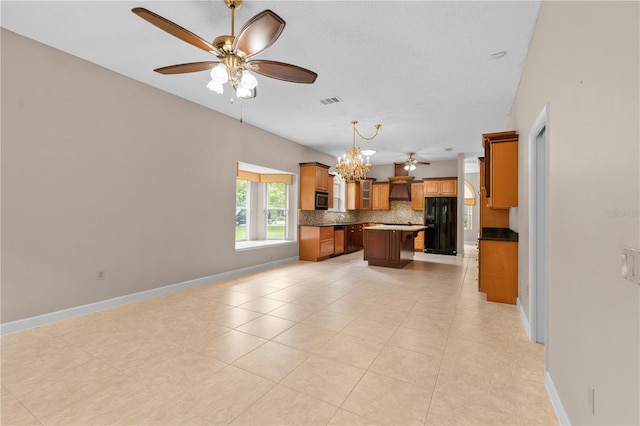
{"x":316,"y":242}
{"x":353,"y":238}
{"x":498,"y":270}
{"x":338,"y":240}
{"x":418,"y":242}
{"x":390,"y":248}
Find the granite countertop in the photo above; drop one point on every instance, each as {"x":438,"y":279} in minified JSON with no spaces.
{"x":397,"y":227}
{"x":498,"y":234}
{"x":335,"y":224}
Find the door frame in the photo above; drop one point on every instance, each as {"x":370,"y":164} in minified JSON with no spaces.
{"x":535,"y":284}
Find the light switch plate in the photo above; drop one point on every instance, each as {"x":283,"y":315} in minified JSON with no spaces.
{"x":631,"y":264}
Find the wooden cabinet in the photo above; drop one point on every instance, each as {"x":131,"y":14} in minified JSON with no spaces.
{"x":316,"y":242}
{"x":313,"y":177}
{"x":330,"y":190}
{"x":359,"y":194}
{"x":418,"y":242}
{"x":366,"y":193}
{"x":489,"y":217}
{"x":380,"y":196}
{"x":353,"y":236}
{"x":353,"y":197}
{"x":498,"y":270}
{"x":440,"y":187}
{"x":392,"y":248}
{"x":417,"y":196}
{"x":338,"y":240}
{"x":501,"y":169}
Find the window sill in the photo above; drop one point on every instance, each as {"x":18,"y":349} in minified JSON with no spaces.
{"x":251,"y":245}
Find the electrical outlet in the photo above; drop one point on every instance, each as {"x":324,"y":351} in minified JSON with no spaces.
{"x":591,"y":394}
{"x":101,"y":275}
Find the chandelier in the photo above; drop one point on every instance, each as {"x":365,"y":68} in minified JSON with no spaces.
{"x":351,"y":166}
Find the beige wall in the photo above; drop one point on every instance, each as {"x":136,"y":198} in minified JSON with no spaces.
{"x":100,"y":172}
{"x":583,"y":60}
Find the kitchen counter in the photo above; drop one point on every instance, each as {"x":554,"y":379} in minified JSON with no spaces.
{"x":337,"y":224}
{"x":413,"y":228}
{"x":498,"y":234}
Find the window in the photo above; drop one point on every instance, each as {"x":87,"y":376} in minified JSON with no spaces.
{"x":469,"y":202}
{"x":468,"y":217}
{"x":242,"y":197}
{"x":339,"y":194}
{"x":263,"y":208}
{"x":276,"y":211}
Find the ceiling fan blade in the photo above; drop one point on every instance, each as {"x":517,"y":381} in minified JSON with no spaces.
{"x":258,"y":33}
{"x":282,"y":71}
{"x":176,"y":30}
{"x":189,"y":67}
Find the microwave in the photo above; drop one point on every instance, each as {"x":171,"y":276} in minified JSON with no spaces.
{"x":322,"y":200}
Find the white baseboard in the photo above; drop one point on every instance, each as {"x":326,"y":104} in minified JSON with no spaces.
{"x":27,"y":323}
{"x":561,"y":414}
{"x":524,"y":318}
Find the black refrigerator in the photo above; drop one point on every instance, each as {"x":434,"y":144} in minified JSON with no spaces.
{"x":440,"y":218}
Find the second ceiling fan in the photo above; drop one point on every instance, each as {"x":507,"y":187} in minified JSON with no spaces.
{"x":235,"y":52}
{"x":410,"y":163}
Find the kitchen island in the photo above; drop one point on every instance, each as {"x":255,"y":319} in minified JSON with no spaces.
{"x":390,"y":245}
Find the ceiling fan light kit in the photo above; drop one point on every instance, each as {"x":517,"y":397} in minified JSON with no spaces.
{"x":234,"y":52}
{"x":411,"y":162}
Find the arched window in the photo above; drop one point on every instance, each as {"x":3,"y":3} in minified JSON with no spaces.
{"x":469,"y":202}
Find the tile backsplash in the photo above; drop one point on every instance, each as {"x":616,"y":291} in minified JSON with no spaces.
{"x":400,"y":212}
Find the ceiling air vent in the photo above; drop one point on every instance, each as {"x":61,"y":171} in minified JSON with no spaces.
{"x":329,"y":101}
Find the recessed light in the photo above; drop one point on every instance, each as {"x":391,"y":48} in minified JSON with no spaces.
{"x":448,"y":149}
{"x":368,"y":152}
{"x":499,"y":55}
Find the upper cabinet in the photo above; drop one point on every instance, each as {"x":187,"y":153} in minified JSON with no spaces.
{"x":359,"y":194}
{"x":490,"y":218}
{"x":501,"y":169}
{"x":314,"y":177}
{"x":380,"y":196}
{"x":447,"y":187}
{"x":330,"y":190}
{"x":417,"y":196}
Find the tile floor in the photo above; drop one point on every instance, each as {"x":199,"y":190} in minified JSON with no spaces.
{"x":334,"y":342}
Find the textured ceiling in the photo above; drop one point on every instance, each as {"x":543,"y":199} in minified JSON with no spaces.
{"x":423,"y":69}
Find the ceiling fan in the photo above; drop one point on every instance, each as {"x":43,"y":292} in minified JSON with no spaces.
{"x":410,"y":163}
{"x":235,"y":52}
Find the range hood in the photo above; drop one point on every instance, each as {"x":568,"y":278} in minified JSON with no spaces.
{"x":400,"y":184}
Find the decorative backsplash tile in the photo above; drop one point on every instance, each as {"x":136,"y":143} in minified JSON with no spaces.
{"x":400,"y":212}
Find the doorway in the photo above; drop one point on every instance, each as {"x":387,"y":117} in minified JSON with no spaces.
{"x":539,"y":229}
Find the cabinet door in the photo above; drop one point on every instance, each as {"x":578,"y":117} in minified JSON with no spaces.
{"x":377,"y":246}
{"x":393,"y":252}
{"x":504,"y":175}
{"x":353,"y":197}
{"x":418,"y":242}
{"x":417,"y":196}
{"x":365,"y":194}
{"x":499,"y":270}
{"x":322,"y":179}
{"x":449,"y":187}
{"x":431,"y":188}
{"x":338,"y":241}
{"x":330,"y":191}
{"x":380,"y":200}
